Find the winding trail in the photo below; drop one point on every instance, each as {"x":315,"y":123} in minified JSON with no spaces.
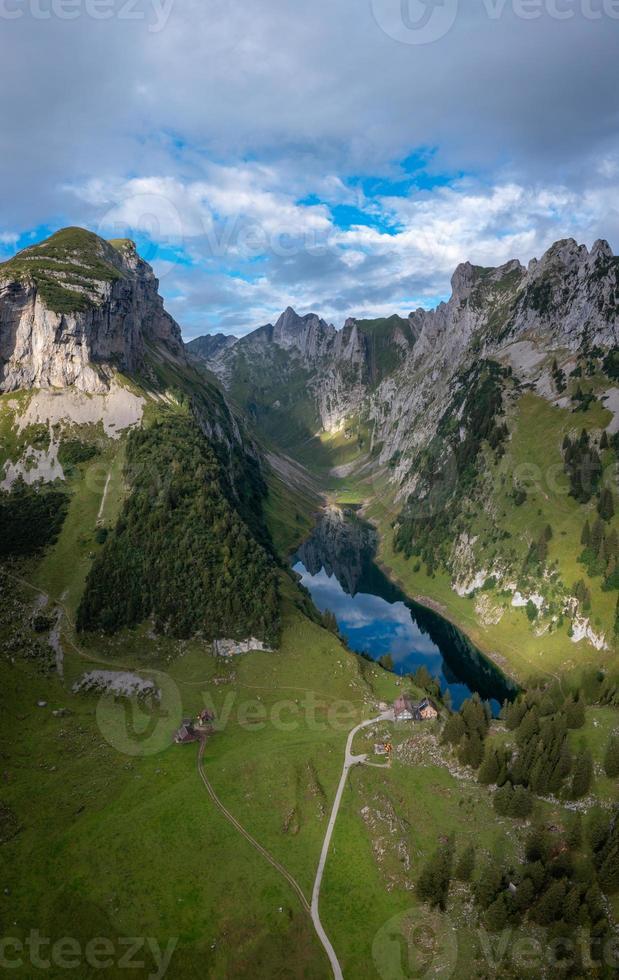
{"x":268,"y":857}
{"x":350,"y":760}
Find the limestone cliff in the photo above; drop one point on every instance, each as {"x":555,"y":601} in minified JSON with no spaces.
{"x":74,"y":307}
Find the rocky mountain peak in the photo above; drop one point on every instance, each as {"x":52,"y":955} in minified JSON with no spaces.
{"x":75,"y":306}
{"x":308,"y":334}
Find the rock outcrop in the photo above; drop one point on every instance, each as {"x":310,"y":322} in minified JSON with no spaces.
{"x":75,"y":307}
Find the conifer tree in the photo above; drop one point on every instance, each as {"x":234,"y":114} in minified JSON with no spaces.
{"x":453,"y":730}
{"x":497,"y":915}
{"x":597,"y":537}
{"x":466,"y":864}
{"x":575,"y":712}
{"x":582,"y":776}
{"x":611,"y":757}
{"x":434,"y":881}
{"x":604,"y":440}
{"x":585,"y":539}
{"x":489,"y":882}
{"x":606,"y":506}
{"x":574,"y":831}
{"x":490,"y":767}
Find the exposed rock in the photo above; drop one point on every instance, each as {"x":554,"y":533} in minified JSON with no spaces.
{"x":116,"y":683}
{"x":74,"y":308}
{"x":232,"y":648}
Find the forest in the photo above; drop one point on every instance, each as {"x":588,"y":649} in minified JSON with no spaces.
{"x":180,"y":553}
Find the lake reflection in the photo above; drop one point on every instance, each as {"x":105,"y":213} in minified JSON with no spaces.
{"x":336,"y":566}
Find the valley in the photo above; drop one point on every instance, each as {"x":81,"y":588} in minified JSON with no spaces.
{"x":395,"y":509}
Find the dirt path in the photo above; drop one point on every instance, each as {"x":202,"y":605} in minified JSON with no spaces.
{"x":232,"y":819}
{"x":350,"y":760}
{"x":103,"y":499}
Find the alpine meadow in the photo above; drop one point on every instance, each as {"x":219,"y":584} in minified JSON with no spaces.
{"x":309,"y":502}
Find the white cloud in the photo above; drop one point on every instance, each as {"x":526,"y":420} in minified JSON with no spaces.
{"x":206,"y":135}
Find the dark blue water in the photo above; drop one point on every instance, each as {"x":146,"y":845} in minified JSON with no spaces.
{"x":336,"y":566}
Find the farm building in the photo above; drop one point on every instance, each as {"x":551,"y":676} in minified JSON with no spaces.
{"x":186,"y":733}
{"x":426,"y":710}
{"x":405,"y":709}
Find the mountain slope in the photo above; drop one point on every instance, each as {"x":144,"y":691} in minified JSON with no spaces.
{"x":439,"y":423}
{"x":74,"y":307}
{"x":109,"y":409}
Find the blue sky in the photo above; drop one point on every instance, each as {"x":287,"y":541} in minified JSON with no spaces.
{"x":316,"y":155}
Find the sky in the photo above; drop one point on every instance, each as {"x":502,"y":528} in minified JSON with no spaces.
{"x":339,"y":156}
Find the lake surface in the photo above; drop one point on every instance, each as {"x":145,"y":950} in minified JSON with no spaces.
{"x":336,"y":566}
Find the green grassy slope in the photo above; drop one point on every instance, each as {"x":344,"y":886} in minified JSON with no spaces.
{"x":504,"y":531}
{"x":73,"y":259}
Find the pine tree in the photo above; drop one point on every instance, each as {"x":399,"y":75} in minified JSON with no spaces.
{"x":606,"y":506}
{"x":476,"y":751}
{"x":549,"y":906}
{"x":466,"y":864}
{"x":502,"y":800}
{"x":583,"y":774}
{"x":598,"y":827}
{"x":521,"y":803}
{"x":490,"y":767}
{"x":513,"y":713}
{"x":582,"y":593}
{"x":537,"y":846}
{"x":434,"y":881}
{"x":453,"y":730}
{"x":489,"y":882}
{"x":608,"y":867}
{"x":597,"y":537}
{"x":604,"y":440}
{"x":585,"y":539}
{"x":575,"y":712}
{"x":497,"y":916}
{"x":611,"y":757}
{"x":574,"y":831}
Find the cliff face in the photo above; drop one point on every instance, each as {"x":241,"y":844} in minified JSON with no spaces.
{"x":76,"y":306}
{"x":396,"y":369}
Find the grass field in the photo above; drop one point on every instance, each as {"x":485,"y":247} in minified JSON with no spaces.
{"x":535,"y":453}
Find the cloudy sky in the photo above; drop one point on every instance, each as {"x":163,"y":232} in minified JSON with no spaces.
{"x":340,"y":156}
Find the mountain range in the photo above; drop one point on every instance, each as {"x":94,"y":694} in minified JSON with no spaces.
{"x":153,"y":497}
{"x":450,"y":426}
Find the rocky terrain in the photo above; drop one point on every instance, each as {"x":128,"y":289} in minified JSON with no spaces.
{"x":436,"y":405}
{"x":74,"y":307}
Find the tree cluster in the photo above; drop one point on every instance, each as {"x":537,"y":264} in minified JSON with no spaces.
{"x":466,"y":731}
{"x":601,"y":552}
{"x":180,"y":552}
{"x":31,"y":518}
{"x":583,"y":466}
{"x":543,"y":760}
